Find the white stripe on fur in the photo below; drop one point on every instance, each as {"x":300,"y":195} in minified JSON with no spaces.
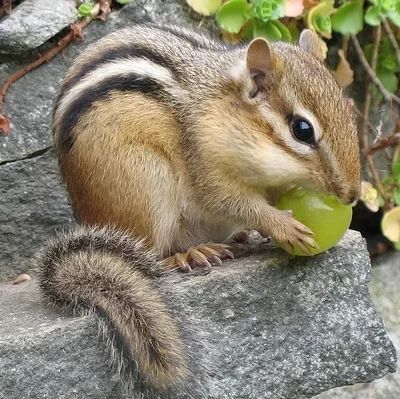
{"x":119,"y":67}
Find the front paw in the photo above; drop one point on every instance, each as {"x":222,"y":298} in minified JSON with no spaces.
{"x":290,"y":234}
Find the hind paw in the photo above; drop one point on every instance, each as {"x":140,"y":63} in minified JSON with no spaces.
{"x":201,"y":256}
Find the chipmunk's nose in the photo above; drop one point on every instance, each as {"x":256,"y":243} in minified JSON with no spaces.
{"x":353,"y":201}
{"x":347,"y":196}
{"x":352,"y":198}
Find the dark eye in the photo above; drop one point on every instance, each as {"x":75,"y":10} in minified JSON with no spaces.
{"x":303,"y":130}
{"x":254,"y":92}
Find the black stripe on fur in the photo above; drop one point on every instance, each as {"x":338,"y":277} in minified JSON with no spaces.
{"x":114,"y":54}
{"x":88,"y":97}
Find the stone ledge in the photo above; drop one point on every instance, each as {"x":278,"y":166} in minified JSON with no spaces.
{"x":33,"y":22}
{"x":269,"y":325}
{"x":33,"y":206}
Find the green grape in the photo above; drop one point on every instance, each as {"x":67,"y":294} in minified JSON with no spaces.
{"x":324,"y":214}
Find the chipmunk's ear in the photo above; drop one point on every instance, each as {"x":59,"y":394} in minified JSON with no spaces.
{"x":309,"y":41}
{"x":259,"y":57}
{"x":260,"y":60}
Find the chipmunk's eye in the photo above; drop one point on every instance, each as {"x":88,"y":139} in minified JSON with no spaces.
{"x":303,"y":130}
{"x":254,"y":92}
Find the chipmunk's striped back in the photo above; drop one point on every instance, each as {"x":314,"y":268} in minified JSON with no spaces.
{"x":148,"y":59}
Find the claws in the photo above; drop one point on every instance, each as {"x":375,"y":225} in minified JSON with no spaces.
{"x":226,"y":254}
{"x":178,"y":262}
{"x":310,"y":242}
{"x":203,"y":256}
{"x":216,"y":260}
{"x":301,"y":228}
{"x":294,"y":234}
{"x":304,"y":248}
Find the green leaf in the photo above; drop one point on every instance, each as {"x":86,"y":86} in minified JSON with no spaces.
{"x":388,"y":63}
{"x":85,"y":10}
{"x":390,"y":224}
{"x":323,"y":24}
{"x":268,"y":30}
{"x":318,"y":18}
{"x":268,"y":10}
{"x":348,"y":19}
{"x":396,"y":196}
{"x":285,"y":32}
{"x":388,"y":79}
{"x":395,"y":17}
{"x":202,"y":7}
{"x":294,"y":30}
{"x":396,"y":246}
{"x":372,"y":16}
{"x":381,"y":201}
{"x":368,"y":50}
{"x":388,"y":5}
{"x":396,"y":169}
{"x":232,"y":15}
{"x":247,"y":32}
{"x":388,"y":180}
{"x":387,"y":56}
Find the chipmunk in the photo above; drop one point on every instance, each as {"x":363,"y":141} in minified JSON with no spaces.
{"x":169,"y":142}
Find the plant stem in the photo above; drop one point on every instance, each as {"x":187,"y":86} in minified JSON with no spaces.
{"x":367,"y":107}
{"x":371,"y":71}
{"x":75,"y":32}
{"x":392,"y":39}
{"x":384,"y":143}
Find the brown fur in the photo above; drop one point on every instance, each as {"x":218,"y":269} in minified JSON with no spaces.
{"x":109,"y":153}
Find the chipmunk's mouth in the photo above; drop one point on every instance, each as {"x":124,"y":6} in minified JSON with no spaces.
{"x":348,"y":196}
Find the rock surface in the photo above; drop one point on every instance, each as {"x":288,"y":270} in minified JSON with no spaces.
{"x":269,"y":326}
{"x":32,"y":206}
{"x":30,"y":215}
{"x":385,"y":293}
{"x":34,"y":22}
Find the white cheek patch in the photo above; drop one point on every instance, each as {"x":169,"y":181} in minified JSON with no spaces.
{"x":279,"y":167}
{"x":266,"y":164}
{"x":239,"y":71}
{"x":241,"y":75}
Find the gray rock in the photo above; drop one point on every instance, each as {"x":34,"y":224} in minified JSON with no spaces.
{"x":385,"y":293}
{"x":29,"y":101}
{"x":32,"y":205}
{"x":34,"y":22}
{"x":266,"y":326}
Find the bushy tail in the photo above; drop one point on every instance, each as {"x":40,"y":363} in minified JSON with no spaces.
{"x":107,"y":272}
